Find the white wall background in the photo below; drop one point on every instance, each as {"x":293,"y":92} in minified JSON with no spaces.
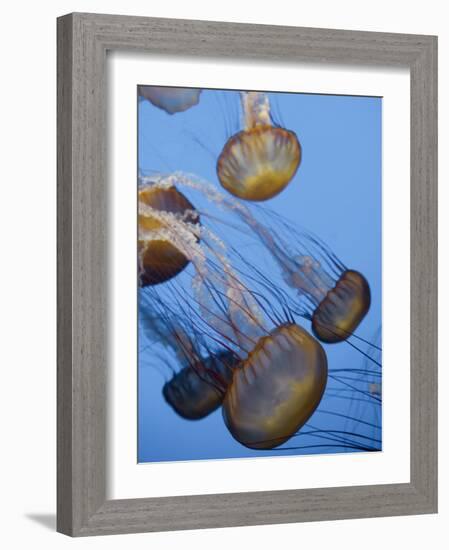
{"x":27,"y":288}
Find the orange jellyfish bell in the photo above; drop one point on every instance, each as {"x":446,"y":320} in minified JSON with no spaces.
{"x":198,"y":389}
{"x":171,"y":100}
{"x":343,"y":308}
{"x":161,"y":209}
{"x":257,"y":163}
{"x":277,"y":388}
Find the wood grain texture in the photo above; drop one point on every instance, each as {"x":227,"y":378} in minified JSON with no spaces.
{"x":83,"y":40}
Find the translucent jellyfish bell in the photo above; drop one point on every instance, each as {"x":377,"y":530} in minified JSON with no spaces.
{"x":343,"y":308}
{"x":162,"y":210}
{"x":199,"y":388}
{"x":171,"y":100}
{"x":257,"y":163}
{"x":277,"y":389}
{"x":337,"y":298}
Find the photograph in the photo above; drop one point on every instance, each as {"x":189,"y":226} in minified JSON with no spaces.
{"x":259,"y":273}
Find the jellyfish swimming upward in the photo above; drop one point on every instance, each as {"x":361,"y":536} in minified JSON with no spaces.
{"x":258,"y":162}
{"x":171,"y":100}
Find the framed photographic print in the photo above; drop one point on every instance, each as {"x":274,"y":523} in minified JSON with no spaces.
{"x":246,"y":274}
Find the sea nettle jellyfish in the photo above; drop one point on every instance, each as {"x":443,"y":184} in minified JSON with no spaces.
{"x":159,"y":208}
{"x":199,"y":388}
{"x":333,"y":297}
{"x":258,"y":162}
{"x":278,"y":388}
{"x":201,"y":373}
{"x":171,"y":100}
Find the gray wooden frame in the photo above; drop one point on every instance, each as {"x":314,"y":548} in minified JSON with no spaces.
{"x":83,"y":40}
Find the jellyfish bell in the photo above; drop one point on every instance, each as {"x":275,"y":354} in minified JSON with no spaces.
{"x":277,"y":389}
{"x":169,"y":99}
{"x":257,"y":163}
{"x":334,"y":298}
{"x":198,"y":389}
{"x":160,"y":208}
{"x":201,"y":373}
{"x":343,"y":308}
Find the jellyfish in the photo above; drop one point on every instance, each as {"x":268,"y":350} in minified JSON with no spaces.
{"x":348,"y":416}
{"x":338,"y":303}
{"x":198,"y":387}
{"x":334,"y":298}
{"x":277,"y":389}
{"x":258,"y":162}
{"x":169,"y":99}
{"x":206,"y":252}
{"x":159,"y":259}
